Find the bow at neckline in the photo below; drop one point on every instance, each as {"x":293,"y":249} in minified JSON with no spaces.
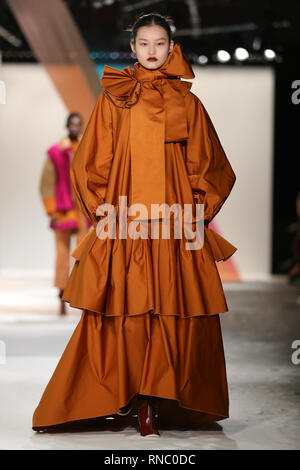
{"x":121,"y":85}
{"x":155,"y":100}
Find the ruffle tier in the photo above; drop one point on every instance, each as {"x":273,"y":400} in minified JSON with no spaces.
{"x":126,"y":277}
{"x":108,"y":360}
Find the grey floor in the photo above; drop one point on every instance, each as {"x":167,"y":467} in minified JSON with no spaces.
{"x":258,"y":333}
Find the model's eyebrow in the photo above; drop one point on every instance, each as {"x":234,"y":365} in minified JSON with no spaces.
{"x":142,"y":39}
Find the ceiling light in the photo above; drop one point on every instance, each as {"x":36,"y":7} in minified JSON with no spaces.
{"x":202,"y":59}
{"x":223,"y":56}
{"x":241,"y":53}
{"x":269,"y":54}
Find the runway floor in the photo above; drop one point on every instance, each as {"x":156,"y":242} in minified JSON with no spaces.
{"x":264,"y":383}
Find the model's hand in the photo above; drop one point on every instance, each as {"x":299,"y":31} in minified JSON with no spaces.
{"x":53,"y":219}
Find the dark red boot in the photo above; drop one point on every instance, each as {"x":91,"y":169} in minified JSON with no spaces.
{"x":148,"y":416}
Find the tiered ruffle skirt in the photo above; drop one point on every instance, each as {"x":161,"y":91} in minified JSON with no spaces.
{"x":150,"y":325}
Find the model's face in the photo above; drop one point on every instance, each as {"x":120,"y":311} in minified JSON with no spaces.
{"x":75,"y":126}
{"x":152,"y":41}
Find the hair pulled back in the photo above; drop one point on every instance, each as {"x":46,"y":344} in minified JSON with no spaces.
{"x":148,"y":19}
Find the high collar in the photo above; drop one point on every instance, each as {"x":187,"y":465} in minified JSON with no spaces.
{"x":157,"y":115}
{"x":122,"y":87}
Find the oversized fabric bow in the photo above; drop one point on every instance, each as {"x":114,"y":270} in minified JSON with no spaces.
{"x":157,"y":115}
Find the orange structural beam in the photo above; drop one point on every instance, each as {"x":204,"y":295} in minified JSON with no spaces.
{"x":57,"y":43}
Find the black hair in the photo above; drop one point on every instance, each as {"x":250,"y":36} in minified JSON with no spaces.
{"x":147,"y":19}
{"x":71,"y":117}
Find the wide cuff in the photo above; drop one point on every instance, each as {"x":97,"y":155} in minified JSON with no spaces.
{"x":220,"y":247}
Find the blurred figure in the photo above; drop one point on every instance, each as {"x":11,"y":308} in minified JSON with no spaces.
{"x":59,"y":201}
{"x":294,"y":271}
{"x":291,"y":266}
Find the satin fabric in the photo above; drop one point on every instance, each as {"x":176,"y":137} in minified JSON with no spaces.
{"x":158,"y":115}
{"x":107,"y":361}
{"x":171,"y":279}
{"x":150,"y":307}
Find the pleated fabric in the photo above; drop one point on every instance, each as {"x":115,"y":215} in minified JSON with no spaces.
{"x":133,"y":276}
{"x":109,"y":359}
{"x":121,"y":277}
{"x":150,"y":323}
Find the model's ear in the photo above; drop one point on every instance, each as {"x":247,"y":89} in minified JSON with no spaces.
{"x":171,"y":46}
{"x":132,"y":47}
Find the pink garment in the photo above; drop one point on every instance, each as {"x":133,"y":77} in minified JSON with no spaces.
{"x":61,"y":159}
{"x":63,"y":191}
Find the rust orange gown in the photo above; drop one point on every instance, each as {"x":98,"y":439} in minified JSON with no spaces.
{"x":150,"y":308}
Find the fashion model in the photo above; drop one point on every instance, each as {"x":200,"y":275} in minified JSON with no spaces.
{"x":148,"y":348}
{"x":59,"y":202}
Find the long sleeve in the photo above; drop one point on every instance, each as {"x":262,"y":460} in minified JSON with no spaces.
{"x":210,"y":173}
{"x":47,"y":186}
{"x":90,"y":167}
